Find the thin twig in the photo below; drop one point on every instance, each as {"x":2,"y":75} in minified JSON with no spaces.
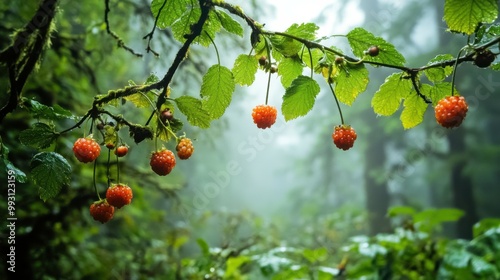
{"x":119,"y":40}
{"x":150,"y":35}
{"x":413,"y":78}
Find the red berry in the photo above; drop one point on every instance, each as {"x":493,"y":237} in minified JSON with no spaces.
{"x":451,"y":111}
{"x":119,"y":195}
{"x":264,"y":116}
{"x":86,"y":149}
{"x":121,"y":151}
{"x":373,"y":51}
{"x":101,"y":211}
{"x":162,"y":162}
{"x":185,"y":148}
{"x":110,"y":146}
{"x":344,"y":137}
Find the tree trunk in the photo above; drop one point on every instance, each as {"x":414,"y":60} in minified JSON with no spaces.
{"x":376,"y":191}
{"x":461,"y":186}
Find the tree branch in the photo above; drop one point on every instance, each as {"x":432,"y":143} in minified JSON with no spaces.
{"x":181,"y":54}
{"x":257,"y":28}
{"x":121,"y":43}
{"x":23,"y":54}
{"x":196,"y":30}
{"x":257,"y":31}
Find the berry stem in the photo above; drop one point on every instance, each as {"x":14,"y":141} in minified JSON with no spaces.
{"x":268,"y":86}
{"x":80,"y":122}
{"x":338,"y":104}
{"x":151,"y":117}
{"x":117,"y":169}
{"x":362,"y":60}
{"x":215,"y":46}
{"x":152,"y":106}
{"x":169,"y":130}
{"x":269,"y":76}
{"x":311,"y":60}
{"x":455,"y":72}
{"x":94,"y":181}
{"x":91,"y":125}
{"x":107,"y":166}
{"x":156,"y":141}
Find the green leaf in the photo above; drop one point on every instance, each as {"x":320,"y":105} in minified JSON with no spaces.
{"x":372,"y":250}
{"x":152,"y":79}
{"x":244,"y":69}
{"x":456,"y":256}
{"x":210,"y":28}
{"x":144,"y":99}
{"x":190,"y":17}
{"x":317,"y":255}
{"x":495,"y":67}
{"x":41,"y":111}
{"x":163,"y":133}
{"x":465,"y":15}
{"x":205,"y":249}
{"x":290,"y":47}
{"x":437,"y":92}
{"x":50,"y":172}
{"x":413,"y":112}
{"x":292,"y":272}
{"x":299,"y":97}
{"x":193,"y":109}
{"x":364,"y":269}
{"x":430,"y":218}
{"x":40,"y":136}
{"x":170,"y":13}
{"x":442,"y":215}
{"x":305,"y":30}
{"x":289,"y":69}
{"x":327,"y":273}
{"x":360,"y":40}
{"x":229,"y":23}
{"x":283,"y":47}
{"x":9,"y":167}
{"x":486,"y":33}
{"x":316,"y":54}
{"x":438,"y":74}
{"x":482,"y":268}
{"x":387,"y":99}
{"x":484,"y":225}
{"x":61,"y":113}
{"x":233,"y":263}
{"x":183,"y":26}
{"x":270,"y":264}
{"x":350,"y":82}
{"x":174,"y":124}
{"x":140,"y":99}
{"x":217,"y":90}
{"x":401,"y":210}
